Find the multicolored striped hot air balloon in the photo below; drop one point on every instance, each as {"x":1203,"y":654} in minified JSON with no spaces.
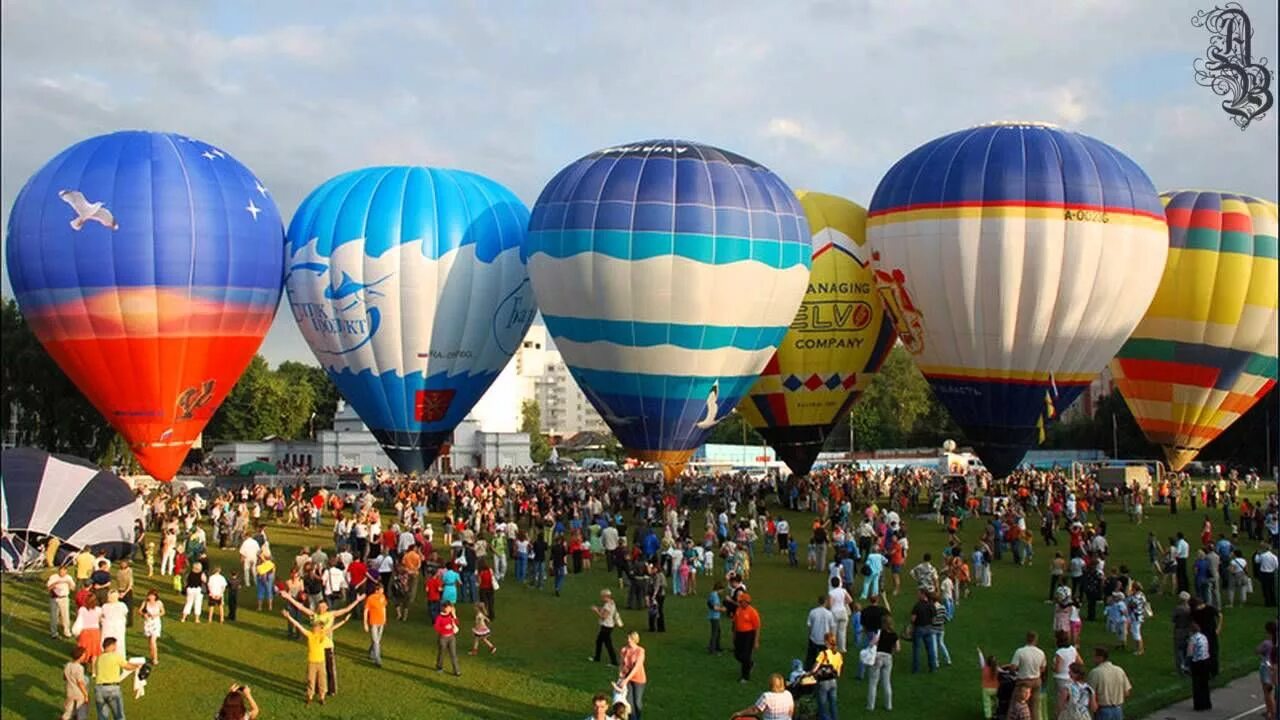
{"x":150,"y":267}
{"x":667,"y":273}
{"x":838,"y":340}
{"x":1015,"y":259}
{"x":409,"y":286}
{"x":1206,"y":350}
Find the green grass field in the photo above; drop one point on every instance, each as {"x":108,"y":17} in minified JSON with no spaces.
{"x":541,"y":670}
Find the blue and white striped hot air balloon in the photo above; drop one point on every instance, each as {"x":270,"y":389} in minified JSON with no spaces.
{"x":409,"y":286}
{"x":667,"y":273}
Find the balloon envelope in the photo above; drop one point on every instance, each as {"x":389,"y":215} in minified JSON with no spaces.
{"x":409,"y":286}
{"x":837,"y":341}
{"x":149,"y":265}
{"x":1206,"y":350}
{"x":667,"y":273}
{"x":1015,"y":259}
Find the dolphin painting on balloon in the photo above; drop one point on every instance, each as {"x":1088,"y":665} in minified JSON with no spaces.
{"x":409,"y":286}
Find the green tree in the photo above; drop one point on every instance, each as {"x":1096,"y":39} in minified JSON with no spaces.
{"x":325,"y":403}
{"x":531,"y":422}
{"x":39,"y":400}
{"x":734,"y":430}
{"x":896,"y":408}
{"x":263,"y":403}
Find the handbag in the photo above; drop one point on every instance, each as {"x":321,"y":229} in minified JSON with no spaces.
{"x":825,"y":670}
{"x":78,"y":626}
{"x":866,"y":570}
{"x":868,"y":655}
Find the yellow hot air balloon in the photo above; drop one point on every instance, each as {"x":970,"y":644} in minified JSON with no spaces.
{"x":838,"y":340}
{"x":1206,"y":350}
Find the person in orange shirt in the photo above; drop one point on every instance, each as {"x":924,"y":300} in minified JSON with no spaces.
{"x":412,"y":562}
{"x":746,"y":635}
{"x":375,"y":621}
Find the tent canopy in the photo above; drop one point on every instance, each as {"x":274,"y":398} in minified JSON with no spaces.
{"x":258,"y":467}
{"x":65,"y":497}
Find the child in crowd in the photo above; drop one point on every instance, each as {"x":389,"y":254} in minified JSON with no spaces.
{"x":990,"y":686}
{"x":232,"y":600}
{"x":1117,"y":618}
{"x":481,"y":631}
{"x":1018,"y":707}
{"x":791,"y":553}
{"x":151,"y":558}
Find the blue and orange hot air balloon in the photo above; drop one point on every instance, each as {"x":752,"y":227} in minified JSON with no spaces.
{"x":150,"y":266}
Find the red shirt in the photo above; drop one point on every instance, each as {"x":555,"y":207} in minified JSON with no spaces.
{"x":435,"y":587}
{"x":359,"y":571}
{"x":486,"y":579}
{"x":446,"y":625}
{"x":388,"y":539}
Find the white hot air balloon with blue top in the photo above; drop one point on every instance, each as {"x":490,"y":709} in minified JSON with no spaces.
{"x":409,"y":286}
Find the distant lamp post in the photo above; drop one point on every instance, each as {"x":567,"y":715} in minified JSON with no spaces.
{"x":311,"y":425}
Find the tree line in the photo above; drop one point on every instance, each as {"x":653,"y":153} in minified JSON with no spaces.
{"x":41,"y":407}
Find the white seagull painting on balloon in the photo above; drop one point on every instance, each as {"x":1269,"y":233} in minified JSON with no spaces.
{"x":86,"y":211}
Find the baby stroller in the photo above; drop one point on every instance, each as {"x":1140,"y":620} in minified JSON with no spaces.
{"x":804,"y":688}
{"x":1004,"y":693}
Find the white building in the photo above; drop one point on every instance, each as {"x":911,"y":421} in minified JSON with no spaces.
{"x":537,"y":372}
{"x":350,"y":444}
{"x":1087,"y":404}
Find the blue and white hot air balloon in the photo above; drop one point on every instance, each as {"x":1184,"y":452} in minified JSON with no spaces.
{"x":409,"y":286}
{"x":667,"y":273}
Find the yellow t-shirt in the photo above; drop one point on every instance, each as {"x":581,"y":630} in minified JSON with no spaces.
{"x":315,"y":645}
{"x":110,"y":668}
{"x":84,"y":566}
{"x":834,"y":659}
{"x":323,"y":622}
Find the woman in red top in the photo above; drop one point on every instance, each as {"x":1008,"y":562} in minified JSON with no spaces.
{"x":446,"y":625}
{"x":435,"y":589}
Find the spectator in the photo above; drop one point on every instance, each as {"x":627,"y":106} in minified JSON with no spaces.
{"x":76,"y":704}
{"x":1030,"y":666}
{"x":775,"y":704}
{"x":106,"y":681}
{"x":1201,"y":672}
{"x":1111,"y":686}
{"x":881,"y":673}
{"x":827,"y":669}
{"x":746,"y":635}
{"x":607,"y":618}
{"x":60,"y":584}
{"x":1076,"y":699}
{"x":238,"y":704}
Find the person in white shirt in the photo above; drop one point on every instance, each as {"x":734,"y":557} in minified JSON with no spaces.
{"x":1181,"y":550}
{"x":820,"y":622}
{"x":60,"y":585}
{"x":841,"y":603}
{"x":216,"y":586}
{"x":249,"y":550}
{"x":1030,"y":665}
{"x":335,"y":584}
{"x":1265,"y":563}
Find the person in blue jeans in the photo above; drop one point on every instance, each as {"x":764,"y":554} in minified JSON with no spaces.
{"x":922,"y":632}
{"x":829,"y":661}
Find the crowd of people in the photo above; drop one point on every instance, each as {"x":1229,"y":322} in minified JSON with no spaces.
{"x":654,"y":541}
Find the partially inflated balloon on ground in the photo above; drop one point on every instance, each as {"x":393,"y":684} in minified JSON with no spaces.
{"x":149,"y":265}
{"x":409,"y":286}
{"x":667,"y":272}
{"x":836,"y":343}
{"x":1206,"y":350}
{"x":1015,"y":259}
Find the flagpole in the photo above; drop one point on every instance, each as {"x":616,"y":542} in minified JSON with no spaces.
{"x":1115,"y":441}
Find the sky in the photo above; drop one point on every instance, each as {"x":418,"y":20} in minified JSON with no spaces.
{"x":827,"y":93}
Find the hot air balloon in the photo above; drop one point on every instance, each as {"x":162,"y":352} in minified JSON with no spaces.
{"x":667,"y":272}
{"x":837,"y":341}
{"x":1206,"y":350}
{"x":1015,"y":259}
{"x":409,"y":286}
{"x":149,"y":265}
